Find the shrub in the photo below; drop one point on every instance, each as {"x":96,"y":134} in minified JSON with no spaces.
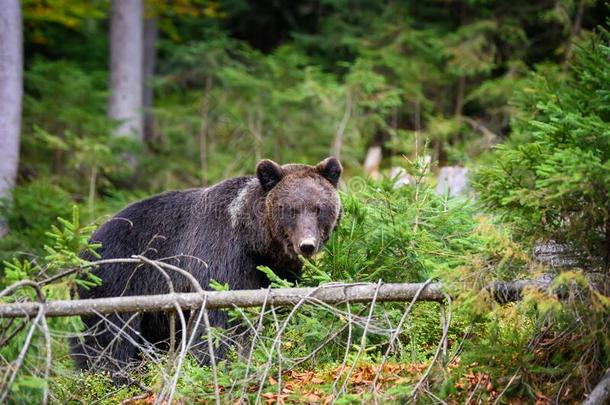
{"x":552,"y":178}
{"x":400,"y":234}
{"x":35,"y":207}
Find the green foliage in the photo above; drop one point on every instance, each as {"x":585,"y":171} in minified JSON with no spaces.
{"x":34,"y":208}
{"x":74,"y":100}
{"x":59,"y":11}
{"x":66,"y":242}
{"x":398,"y":234}
{"x":552,"y":177}
{"x":90,"y":388}
{"x":417,"y":78}
{"x":69,"y":243}
{"x":67,"y":129}
{"x":276,"y":282}
{"x":545,"y":343}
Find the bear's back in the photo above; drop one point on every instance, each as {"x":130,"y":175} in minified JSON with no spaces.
{"x":145,"y":224}
{"x":167,"y":216}
{"x":188,"y":228}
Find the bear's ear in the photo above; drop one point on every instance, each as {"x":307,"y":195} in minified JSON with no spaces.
{"x":331,"y":169}
{"x":269,"y":174}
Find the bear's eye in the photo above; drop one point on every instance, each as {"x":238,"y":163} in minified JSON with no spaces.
{"x":322,"y":211}
{"x":289,"y":211}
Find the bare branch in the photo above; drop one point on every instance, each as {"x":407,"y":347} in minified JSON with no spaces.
{"x":330,"y":294}
{"x":224,"y":299}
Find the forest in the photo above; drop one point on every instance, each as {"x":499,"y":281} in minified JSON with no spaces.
{"x":466,"y":227}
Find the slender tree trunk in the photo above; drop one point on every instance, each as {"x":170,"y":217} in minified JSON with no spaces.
{"x":459,"y":97}
{"x":203,"y":131}
{"x":459,"y":105}
{"x":417,"y":124}
{"x":461,"y":84}
{"x":394,"y":126}
{"x":149,"y":58}
{"x":607,"y":241}
{"x":91,"y":197}
{"x":255,"y":126}
{"x":576,"y":28}
{"x":347,"y":113}
{"x":279,"y":144}
{"x":126,"y":29}
{"x":11,"y":91}
{"x":372,"y":162}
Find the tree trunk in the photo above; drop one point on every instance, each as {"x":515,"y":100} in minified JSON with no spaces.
{"x":11,"y":91}
{"x":417,"y":124}
{"x":203,"y":131}
{"x":459,"y":105}
{"x":372,"y":162}
{"x":502,"y":291}
{"x":601,"y":393}
{"x":126,"y":29}
{"x":575,"y":31}
{"x":459,"y":97}
{"x":149,"y":58}
{"x":255,"y":127}
{"x":347,"y":113}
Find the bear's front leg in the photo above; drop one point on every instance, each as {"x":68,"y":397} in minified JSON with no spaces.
{"x":199,"y":348}
{"x":110,"y":344}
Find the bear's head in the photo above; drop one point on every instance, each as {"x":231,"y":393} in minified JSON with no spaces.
{"x":302,"y":205}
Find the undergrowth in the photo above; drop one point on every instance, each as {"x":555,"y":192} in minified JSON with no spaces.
{"x":525,"y":350}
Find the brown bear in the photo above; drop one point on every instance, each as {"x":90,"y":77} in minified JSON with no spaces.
{"x":222,"y":232}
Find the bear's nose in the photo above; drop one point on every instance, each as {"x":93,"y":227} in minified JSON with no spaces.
{"x":307,"y":246}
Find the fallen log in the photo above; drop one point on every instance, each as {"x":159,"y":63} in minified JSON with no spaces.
{"x":601,"y":393}
{"x":510,"y":291}
{"x":330,"y":294}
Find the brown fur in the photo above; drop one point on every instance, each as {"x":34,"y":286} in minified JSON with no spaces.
{"x":223,"y":233}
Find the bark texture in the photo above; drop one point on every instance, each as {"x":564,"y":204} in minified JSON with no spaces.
{"x":126,"y":78}
{"x":226,"y":299}
{"x":149,"y":58}
{"x":11,"y":90}
{"x":601,"y":393}
{"x":503,"y":292}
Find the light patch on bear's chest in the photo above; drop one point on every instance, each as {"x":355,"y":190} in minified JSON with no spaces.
{"x":237,"y":207}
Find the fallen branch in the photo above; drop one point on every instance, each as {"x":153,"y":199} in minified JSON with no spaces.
{"x":487,"y":133}
{"x":330,"y":293}
{"x":510,"y":291}
{"x":601,"y":393}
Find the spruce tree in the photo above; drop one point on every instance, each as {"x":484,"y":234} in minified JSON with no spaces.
{"x":552,"y":177}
